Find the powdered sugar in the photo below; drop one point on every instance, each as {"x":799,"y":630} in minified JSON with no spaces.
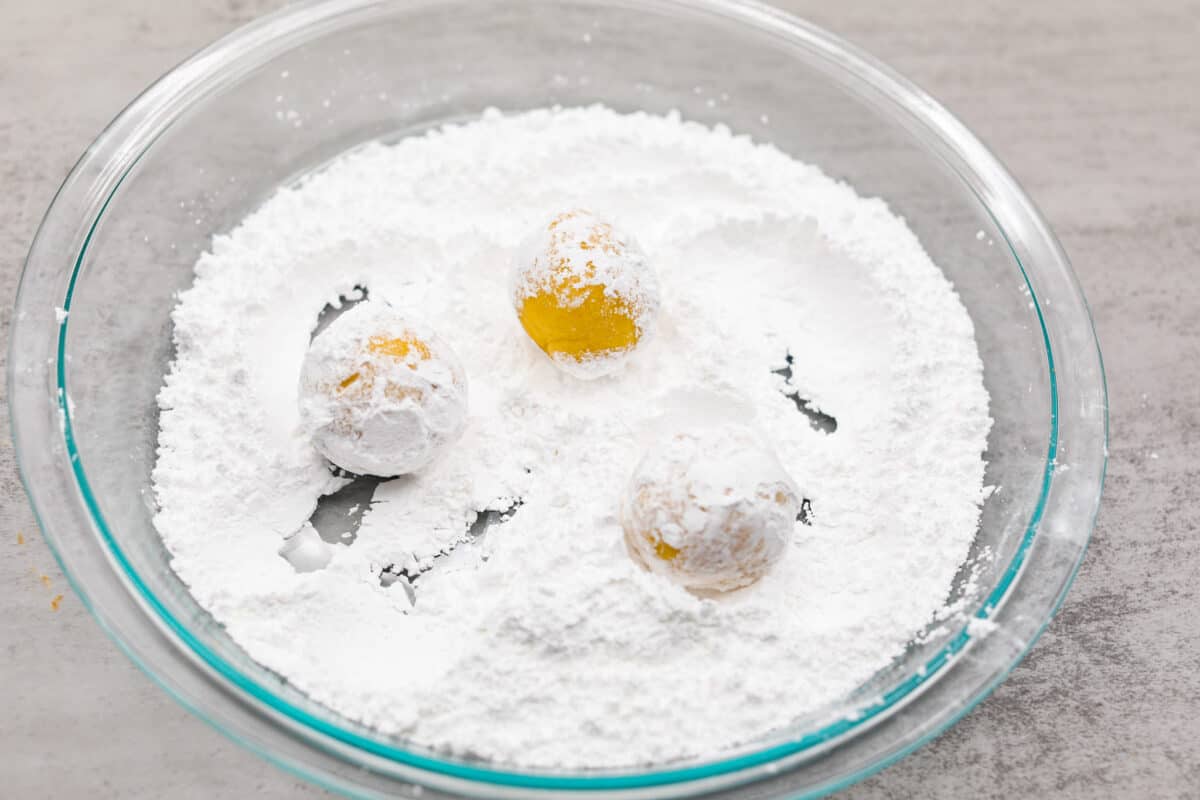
{"x":545,"y":643}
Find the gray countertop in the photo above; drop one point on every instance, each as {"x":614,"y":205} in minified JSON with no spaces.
{"x":1095,"y":107}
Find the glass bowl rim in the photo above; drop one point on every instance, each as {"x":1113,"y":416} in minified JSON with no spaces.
{"x":165,"y":101}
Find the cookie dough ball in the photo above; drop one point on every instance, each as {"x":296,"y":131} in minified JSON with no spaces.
{"x":380,"y":394}
{"x":584,"y":293}
{"x":711,"y":509}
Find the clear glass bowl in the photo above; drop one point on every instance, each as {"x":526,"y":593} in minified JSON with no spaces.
{"x":214,"y":137}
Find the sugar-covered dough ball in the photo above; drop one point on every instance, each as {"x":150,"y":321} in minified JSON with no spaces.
{"x":381,"y":394}
{"x":712,"y":509}
{"x":584,"y":293}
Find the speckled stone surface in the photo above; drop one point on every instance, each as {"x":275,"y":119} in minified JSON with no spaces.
{"x":1095,"y":107}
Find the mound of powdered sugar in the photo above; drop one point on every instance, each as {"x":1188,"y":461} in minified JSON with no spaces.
{"x":546,"y":644}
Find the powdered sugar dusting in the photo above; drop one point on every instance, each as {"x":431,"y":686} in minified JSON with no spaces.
{"x":545,"y":644}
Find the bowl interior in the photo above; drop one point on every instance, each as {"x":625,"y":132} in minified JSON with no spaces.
{"x":285,"y":109}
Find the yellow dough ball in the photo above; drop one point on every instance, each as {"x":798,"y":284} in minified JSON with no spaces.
{"x":711,"y":509}
{"x":379,"y":394}
{"x":584,"y":293}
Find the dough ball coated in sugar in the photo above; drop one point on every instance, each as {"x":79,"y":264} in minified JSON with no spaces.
{"x":711,"y":509}
{"x":381,"y":394}
{"x":584,"y":293}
